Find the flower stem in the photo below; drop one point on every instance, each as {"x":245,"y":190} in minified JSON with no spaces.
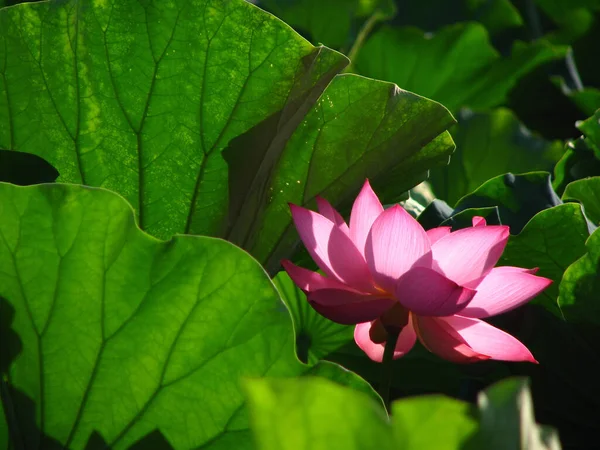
{"x":386,"y":375}
{"x":364,"y":32}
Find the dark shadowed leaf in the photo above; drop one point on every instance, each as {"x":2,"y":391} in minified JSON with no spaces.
{"x":468,"y":70}
{"x":25,"y":169}
{"x":487,"y":145}
{"x":496,"y":15}
{"x":574,"y":17}
{"x":464,"y":219}
{"x":518,"y":197}
{"x":334,"y":22}
{"x":434,"y":214}
{"x":507,"y":419}
{"x":586,"y":99}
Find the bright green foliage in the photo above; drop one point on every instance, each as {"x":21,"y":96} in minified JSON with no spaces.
{"x":320,"y":415}
{"x":316,"y":336}
{"x":409,"y":58}
{"x":123,"y":334}
{"x":142,"y":98}
{"x":329,"y":22}
{"x":586,"y":191}
{"x":433,"y":421}
{"x":487,"y":145}
{"x":552,"y":240}
{"x":581,"y":284}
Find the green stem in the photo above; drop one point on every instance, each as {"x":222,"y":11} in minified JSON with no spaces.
{"x":572,"y":68}
{"x":535,"y":24}
{"x":362,"y":36}
{"x":537,"y":32}
{"x":386,"y":375}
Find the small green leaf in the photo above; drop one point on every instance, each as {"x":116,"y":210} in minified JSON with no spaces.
{"x":590,"y":127}
{"x":587,"y":192}
{"x":487,"y":145}
{"x":468,"y":70}
{"x":125,"y":335}
{"x":316,"y":336}
{"x":582,"y":157}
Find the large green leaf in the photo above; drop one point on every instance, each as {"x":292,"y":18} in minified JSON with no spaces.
{"x":332,"y":23}
{"x":123,"y":334}
{"x":458,"y":66}
{"x":552,"y":240}
{"x":142,"y":98}
{"x":580,"y":286}
{"x":321,"y":415}
{"x":490,"y":144}
{"x":316,"y":336}
{"x":587,"y":192}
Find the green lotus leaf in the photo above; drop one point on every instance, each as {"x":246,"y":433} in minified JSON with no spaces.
{"x":120,"y":335}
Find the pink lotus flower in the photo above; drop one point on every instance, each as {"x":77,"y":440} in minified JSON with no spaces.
{"x":385,"y":271}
